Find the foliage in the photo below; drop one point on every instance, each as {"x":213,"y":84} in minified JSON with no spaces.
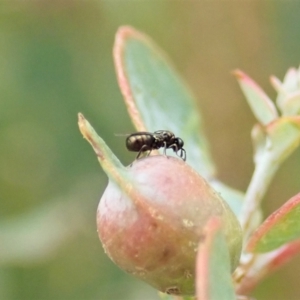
{"x":157,"y":98}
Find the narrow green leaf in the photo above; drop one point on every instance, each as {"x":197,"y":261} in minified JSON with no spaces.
{"x":107,"y":159}
{"x":280,"y":228}
{"x":156,"y":96}
{"x":103,"y":152}
{"x":213,"y":278}
{"x":261,"y":105}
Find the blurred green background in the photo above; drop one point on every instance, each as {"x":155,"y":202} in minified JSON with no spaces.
{"x":56,"y":61}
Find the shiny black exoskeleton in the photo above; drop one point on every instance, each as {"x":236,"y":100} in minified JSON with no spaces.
{"x":146,"y":141}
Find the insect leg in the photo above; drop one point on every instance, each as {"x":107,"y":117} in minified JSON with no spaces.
{"x":174,"y":147}
{"x":165,"y":148}
{"x":148,"y":154}
{"x":182,"y":151}
{"x":183,"y":154}
{"x":142,"y":150}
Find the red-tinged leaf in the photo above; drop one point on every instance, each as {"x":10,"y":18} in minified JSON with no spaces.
{"x":283,"y":255}
{"x":260,"y":104}
{"x":213,"y":278}
{"x":265,"y":264}
{"x":281,"y":227}
{"x":157,"y":97}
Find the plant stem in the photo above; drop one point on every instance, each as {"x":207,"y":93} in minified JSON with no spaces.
{"x":264,"y":172}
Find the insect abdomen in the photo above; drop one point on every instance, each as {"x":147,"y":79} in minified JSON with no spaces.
{"x":136,"y":141}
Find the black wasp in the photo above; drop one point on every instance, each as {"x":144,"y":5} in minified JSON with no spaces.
{"x":147,"y":141}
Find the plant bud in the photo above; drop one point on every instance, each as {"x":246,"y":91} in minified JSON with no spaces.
{"x":152,"y":225}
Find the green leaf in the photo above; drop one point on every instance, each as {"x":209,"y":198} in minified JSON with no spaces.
{"x":280,"y":228}
{"x":156,"y":96}
{"x":291,"y":105}
{"x":107,"y":159}
{"x":283,"y":137}
{"x":291,"y":80}
{"x":213,"y":278}
{"x":261,"y":105}
{"x":290,"y":85}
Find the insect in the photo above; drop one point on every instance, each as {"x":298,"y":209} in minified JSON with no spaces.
{"x":146,"y":141}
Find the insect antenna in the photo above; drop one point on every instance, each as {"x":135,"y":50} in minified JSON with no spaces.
{"x":122,"y":134}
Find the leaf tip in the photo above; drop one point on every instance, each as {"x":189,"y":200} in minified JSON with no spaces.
{"x":81,"y":118}
{"x":243,"y":78}
{"x":81,"y":124}
{"x":125,"y":30}
{"x":238,"y":74}
{"x":123,"y":33}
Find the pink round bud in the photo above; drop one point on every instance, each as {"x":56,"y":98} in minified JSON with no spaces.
{"x":151,"y":228}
